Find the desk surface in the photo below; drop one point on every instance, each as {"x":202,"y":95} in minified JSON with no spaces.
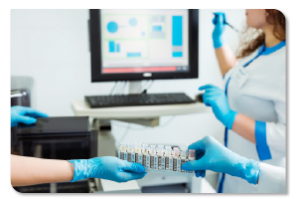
{"x":81,"y":108}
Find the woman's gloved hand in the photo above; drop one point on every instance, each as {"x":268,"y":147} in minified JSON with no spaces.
{"x":216,"y":157}
{"x":219,"y":21}
{"x":24,"y":115}
{"x":109,"y":168}
{"x":216,"y":98}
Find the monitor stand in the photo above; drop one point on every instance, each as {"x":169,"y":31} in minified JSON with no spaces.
{"x":135,"y":87}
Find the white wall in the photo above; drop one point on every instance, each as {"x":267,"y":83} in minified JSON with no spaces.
{"x":49,"y":54}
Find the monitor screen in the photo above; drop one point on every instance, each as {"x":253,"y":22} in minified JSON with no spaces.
{"x":141,"y":41}
{"x":143,"y":44}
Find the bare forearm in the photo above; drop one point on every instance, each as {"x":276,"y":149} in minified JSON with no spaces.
{"x":226,"y":58}
{"x":245,"y":127}
{"x":30,"y":171}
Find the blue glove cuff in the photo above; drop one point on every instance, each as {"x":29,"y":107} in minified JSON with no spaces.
{"x":230,"y":119}
{"x":252,"y":171}
{"x":80,"y":169}
{"x":218,"y":42}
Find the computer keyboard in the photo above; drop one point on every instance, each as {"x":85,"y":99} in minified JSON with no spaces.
{"x":137,"y":100}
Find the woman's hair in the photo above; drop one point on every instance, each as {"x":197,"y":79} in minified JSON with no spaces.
{"x":252,"y":38}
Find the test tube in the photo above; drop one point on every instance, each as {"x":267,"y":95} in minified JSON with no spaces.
{"x":176,"y":152}
{"x":183,"y":158}
{"x":191,"y":154}
{"x":123,"y":146}
{"x":123,"y":153}
{"x":145,"y":149}
{"x":138,"y":151}
{"x":160,"y":154}
{"x":145,"y":154}
{"x":168,"y":158}
{"x":130,"y":152}
{"x":191,"y":157}
{"x":152,"y":152}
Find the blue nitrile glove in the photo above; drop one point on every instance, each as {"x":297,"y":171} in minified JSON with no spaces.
{"x":218,"y":158}
{"x":109,"y":168}
{"x":219,"y":21}
{"x":216,"y":98}
{"x":24,"y":115}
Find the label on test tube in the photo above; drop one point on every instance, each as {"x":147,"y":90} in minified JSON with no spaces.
{"x":174,"y":164}
{"x":148,"y":161}
{"x":140,"y":159}
{"x":129,"y":157}
{"x":159,"y":162}
{"x":152,"y":162}
{"x":119,"y":155}
{"x":182,"y":162}
{"x":163,"y":163}
{"x":168,"y":153}
{"x":167,"y":163}
{"x":136,"y":157}
{"x":125,"y":156}
{"x":170,"y":164}
{"x":178,"y":165}
{"x":144,"y":160}
{"x":122,"y":155}
{"x":155,"y":162}
{"x":132,"y":157}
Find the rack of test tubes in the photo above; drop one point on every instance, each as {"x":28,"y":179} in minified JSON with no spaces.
{"x":157,"y":158}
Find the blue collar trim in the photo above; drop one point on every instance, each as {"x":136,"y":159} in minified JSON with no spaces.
{"x":263,"y":50}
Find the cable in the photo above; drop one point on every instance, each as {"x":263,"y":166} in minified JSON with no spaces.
{"x":142,"y":86}
{"x":118,"y":88}
{"x":125,"y":133}
{"x":112,"y":90}
{"x":120,"y":91}
{"x":149,"y":85}
{"x":166,"y":123}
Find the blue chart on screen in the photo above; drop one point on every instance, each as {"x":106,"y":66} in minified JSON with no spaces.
{"x":133,"y":22}
{"x":112,"y":27}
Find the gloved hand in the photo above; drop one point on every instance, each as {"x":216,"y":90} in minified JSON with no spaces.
{"x":216,"y":98}
{"x":219,"y":21}
{"x":109,"y":168}
{"x":24,"y":115}
{"x":220,"y":159}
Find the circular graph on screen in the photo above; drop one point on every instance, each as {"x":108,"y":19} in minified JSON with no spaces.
{"x":133,"y":22}
{"x":112,"y":27}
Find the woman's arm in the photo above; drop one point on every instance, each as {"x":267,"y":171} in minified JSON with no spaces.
{"x":245,"y":127}
{"x":30,"y":170}
{"x":226,"y":58}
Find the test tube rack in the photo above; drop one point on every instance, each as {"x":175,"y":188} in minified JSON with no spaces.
{"x":154,"y":161}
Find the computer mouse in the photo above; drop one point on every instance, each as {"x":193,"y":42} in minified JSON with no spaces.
{"x":199,"y":97}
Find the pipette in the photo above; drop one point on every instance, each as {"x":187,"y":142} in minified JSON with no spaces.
{"x":225,"y":22}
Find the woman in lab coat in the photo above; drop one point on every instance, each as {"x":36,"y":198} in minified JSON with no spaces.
{"x":252,"y":107}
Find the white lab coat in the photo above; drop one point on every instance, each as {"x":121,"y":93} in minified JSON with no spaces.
{"x":271,"y":179}
{"x":258,"y":91}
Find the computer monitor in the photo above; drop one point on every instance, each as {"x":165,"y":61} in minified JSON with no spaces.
{"x":130,"y":45}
